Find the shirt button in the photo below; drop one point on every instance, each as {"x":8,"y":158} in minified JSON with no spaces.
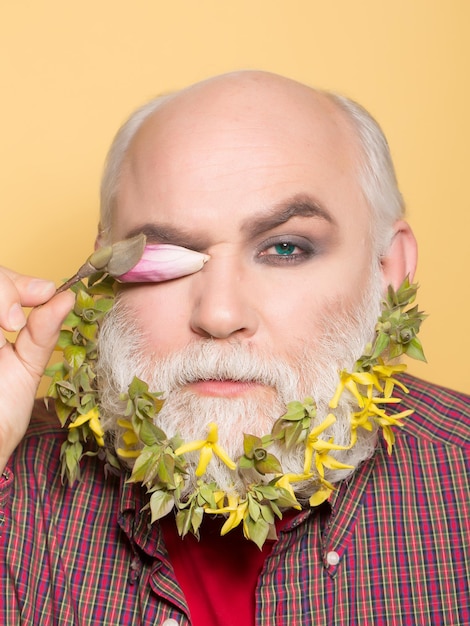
{"x":170,"y":622}
{"x":332,"y":558}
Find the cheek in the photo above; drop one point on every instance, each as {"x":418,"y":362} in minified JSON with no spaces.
{"x":303,"y":306}
{"x":160,"y":314}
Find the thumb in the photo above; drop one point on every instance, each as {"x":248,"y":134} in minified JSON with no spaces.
{"x":38,"y":338}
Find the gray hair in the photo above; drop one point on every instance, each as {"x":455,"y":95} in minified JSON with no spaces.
{"x":115,"y":159}
{"x":377,"y":176}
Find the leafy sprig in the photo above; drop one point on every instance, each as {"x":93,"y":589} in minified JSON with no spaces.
{"x":159,"y":461}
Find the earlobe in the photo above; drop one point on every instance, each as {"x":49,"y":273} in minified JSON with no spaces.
{"x":401,"y":257}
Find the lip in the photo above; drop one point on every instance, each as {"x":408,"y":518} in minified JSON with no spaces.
{"x":223,"y":388}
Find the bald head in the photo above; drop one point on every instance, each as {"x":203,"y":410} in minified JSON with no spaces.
{"x":232,"y":115}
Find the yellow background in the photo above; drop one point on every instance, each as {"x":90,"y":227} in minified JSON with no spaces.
{"x":71,"y":72}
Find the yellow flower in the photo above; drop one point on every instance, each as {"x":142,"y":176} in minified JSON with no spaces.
{"x":372,"y":411}
{"x":386,"y":372}
{"x":207,"y":447}
{"x":350,"y":381}
{"x":321,"y":448}
{"x":93,"y":419}
{"x":236,"y":509}
{"x":130,"y":439}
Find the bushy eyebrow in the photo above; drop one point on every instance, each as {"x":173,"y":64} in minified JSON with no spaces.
{"x":297,"y":206}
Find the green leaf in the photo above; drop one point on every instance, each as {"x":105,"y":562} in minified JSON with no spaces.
{"x":55,"y":368}
{"x":146,"y":458}
{"x":88,"y":331}
{"x":267,"y":513}
{"x":72,"y":455}
{"x":65,"y":339}
{"x":75,"y":355}
{"x":415,"y":350}
{"x":196,"y":519}
{"x":166,"y":470}
{"x":245,"y":463}
{"x":250,"y":442}
{"x":254,"y":509}
{"x":207,"y":494}
{"x":150,"y":434}
{"x":266,"y":492}
{"x":381,"y":344}
{"x":83,"y":301}
{"x":295,"y":411}
{"x":285,"y":500}
{"x":183,"y":522}
{"x":104,"y":304}
{"x":63,"y":412}
{"x":161,"y":503}
{"x":269,"y":465}
{"x":293,"y":434}
{"x":256,"y":531}
{"x":72,"y":319}
{"x":137,"y":388}
{"x":395,"y":350}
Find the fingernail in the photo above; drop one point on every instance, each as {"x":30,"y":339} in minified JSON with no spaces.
{"x":37,"y":287}
{"x":16,"y":317}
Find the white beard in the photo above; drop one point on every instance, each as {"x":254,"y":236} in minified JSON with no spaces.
{"x":343,"y":335}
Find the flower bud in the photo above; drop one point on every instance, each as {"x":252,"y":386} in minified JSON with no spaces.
{"x":259,"y":454}
{"x":406,"y":335}
{"x":160,"y":262}
{"x":100,"y":257}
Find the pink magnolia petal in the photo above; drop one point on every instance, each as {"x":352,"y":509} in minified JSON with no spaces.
{"x":161,"y":262}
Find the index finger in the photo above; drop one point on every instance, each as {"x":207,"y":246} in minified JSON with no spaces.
{"x":18,"y":290}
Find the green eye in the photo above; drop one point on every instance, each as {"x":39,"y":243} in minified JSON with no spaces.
{"x":285,"y":248}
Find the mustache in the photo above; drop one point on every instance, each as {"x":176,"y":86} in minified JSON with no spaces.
{"x":208,"y":360}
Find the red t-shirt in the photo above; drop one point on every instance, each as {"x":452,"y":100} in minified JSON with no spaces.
{"x":218,"y":575}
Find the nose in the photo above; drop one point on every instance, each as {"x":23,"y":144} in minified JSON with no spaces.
{"x":223,"y":302}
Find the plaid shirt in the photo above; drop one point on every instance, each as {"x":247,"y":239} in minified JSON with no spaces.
{"x":393,"y":547}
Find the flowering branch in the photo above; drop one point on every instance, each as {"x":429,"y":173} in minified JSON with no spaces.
{"x":159,"y":461}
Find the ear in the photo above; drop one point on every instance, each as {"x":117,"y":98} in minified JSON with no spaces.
{"x":401,"y":257}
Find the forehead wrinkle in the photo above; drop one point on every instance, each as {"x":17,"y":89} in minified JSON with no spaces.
{"x":297,"y":206}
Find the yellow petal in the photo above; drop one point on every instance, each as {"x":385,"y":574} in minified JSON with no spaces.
{"x":128,"y":454}
{"x":308,"y":458}
{"x":327,"y":422}
{"x":320,"y":496}
{"x":331,"y":463}
{"x":389,"y":437}
{"x":234,"y":518}
{"x":192,"y":446}
{"x":333,"y":404}
{"x":125,"y":424}
{"x":213,"y":434}
{"x":223,"y":456}
{"x":130,"y":438}
{"x":82,"y":419}
{"x":204,"y":458}
{"x":96,"y":427}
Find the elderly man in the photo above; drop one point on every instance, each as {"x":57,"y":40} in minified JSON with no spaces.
{"x":292,"y":195}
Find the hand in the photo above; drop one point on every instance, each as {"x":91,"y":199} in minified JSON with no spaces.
{"x":22,"y":364}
